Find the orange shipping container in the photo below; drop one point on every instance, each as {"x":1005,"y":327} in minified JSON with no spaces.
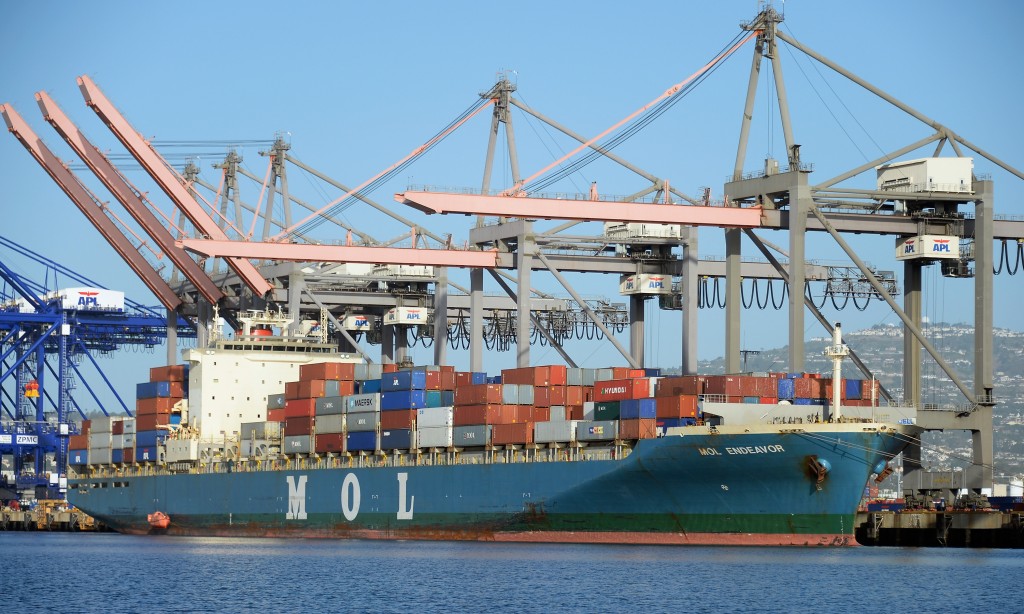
{"x":299,"y":408}
{"x":541,"y":414}
{"x":447,"y":380}
{"x":678,"y":406}
{"x":466,"y":415}
{"x":398,"y":419}
{"x":518,"y":433}
{"x":642,"y":428}
{"x":78,"y":442}
{"x":171,"y":373}
{"x":292,"y":391}
{"x":389,"y":367}
{"x":686,"y":384}
{"x":542,"y":396}
{"x":339,"y":371}
{"x":311,"y":389}
{"x":558,"y":375}
{"x":556,"y":395}
{"x":150,"y":422}
{"x":573,"y":396}
{"x":478,"y":394}
{"x":621,"y":389}
{"x":573,"y":412}
{"x":276,"y":415}
{"x":158,"y":405}
{"x":177,"y":390}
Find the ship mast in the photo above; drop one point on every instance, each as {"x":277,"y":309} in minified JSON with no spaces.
{"x":837,"y":352}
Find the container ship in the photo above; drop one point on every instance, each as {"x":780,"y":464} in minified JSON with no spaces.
{"x":262,"y":434}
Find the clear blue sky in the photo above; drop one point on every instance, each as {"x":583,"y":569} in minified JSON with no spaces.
{"x":359,"y":85}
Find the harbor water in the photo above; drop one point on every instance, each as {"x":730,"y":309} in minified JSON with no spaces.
{"x":62,"y":572}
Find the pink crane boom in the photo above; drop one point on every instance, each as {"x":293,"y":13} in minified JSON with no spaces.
{"x":296,"y":252}
{"x":157,"y":168}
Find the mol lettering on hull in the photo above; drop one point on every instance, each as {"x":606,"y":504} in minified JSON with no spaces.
{"x":928,"y":247}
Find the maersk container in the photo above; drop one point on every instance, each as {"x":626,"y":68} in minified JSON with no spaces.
{"x":330,"y":423}
{"x":297,"y":444}
{"x":548,"y":432}
{"x":152,"y":390}
{"x":434,"y":436}
{"x":632,"y":409}
{"x":785,"y":388}
{"x":362,"y":421}
{"x":362,"y":402}
{"x":275,"y":401}
{"x":434,"y":416}
{"x":78,"y":457}
{"x":369,"y":386}
{"x":398,"y":439}
{"x":404,"y":399}
{"x":597,"y":430}
{"x":469,"y":436}
{"x":330,"y":405}
{"x":404,"y":380}
{"x":361,"y":441}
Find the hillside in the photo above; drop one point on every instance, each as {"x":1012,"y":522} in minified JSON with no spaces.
{"x":881,"y":348}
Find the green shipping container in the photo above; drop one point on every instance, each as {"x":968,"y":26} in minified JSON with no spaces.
{"x":606,"y":410}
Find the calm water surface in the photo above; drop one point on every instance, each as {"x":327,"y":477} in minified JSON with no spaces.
{"x":60,"y":572}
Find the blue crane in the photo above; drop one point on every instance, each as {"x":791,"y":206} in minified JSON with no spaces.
{"x":45,"y":335}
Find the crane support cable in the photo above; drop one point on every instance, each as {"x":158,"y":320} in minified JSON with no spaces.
{"x":665,"y":95}
{"x":311,"y":220}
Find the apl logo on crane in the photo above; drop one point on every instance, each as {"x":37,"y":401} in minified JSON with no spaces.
{"x":908,"y":247}
{"x":655,"y":283}
{"x":87,"y":298}
{"x":941,"y":246}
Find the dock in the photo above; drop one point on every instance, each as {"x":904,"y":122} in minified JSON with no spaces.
{"x":48,"y":516}
{"x":931,"y":528}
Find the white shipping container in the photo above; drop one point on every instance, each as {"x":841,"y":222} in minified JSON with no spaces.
{"x":434,"y":436}
{"x":928,"y":247}
{"x":100,"y":440}
{"x":330,"y":423}
{"x":129,"y":426}
{"x":548,"y":432}
{"x":588,"y":410}
{"x":557,"y":413}
{"x":178,"y":450}
{"x":645,"y":283}
{"x":102,"y":424}
{"x":117,"y":441}
{"x":407,"y":315}
{"x":434,"y":417}
{"x":99,"y":456}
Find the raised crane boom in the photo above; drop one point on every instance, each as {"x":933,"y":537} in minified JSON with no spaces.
{"x":88,"y":205}
{"x":582,"y":210}
{"x":296,"y":252}
{"x":128,"y":196}
{"x":157,"y":168}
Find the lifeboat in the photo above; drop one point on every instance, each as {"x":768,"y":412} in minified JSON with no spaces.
{"x":158,"y":520}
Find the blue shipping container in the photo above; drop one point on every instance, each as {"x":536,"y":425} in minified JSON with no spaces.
{"x":631,"y":409}
{"x":785,"y":389}
{"x":369,"y":386}
{"x":854,"y":389}
{"x":147,"y":453}
{"x":447,"y":398}
{"x":396,"y":439}
{"x":434,"y":399}
{"x":361,"y":440}
{"x":494,"y":379}
{"x":805,"y":402}
{"x":652,"y":372}
{"x":149,"y":438}
{"x":403,"y":399}
{"x":175,"y":419}
{"x":404,"y":380}
{"x":116,"y":456}
{"x":78,"y":457}
{"x":477,"y":377}
{"x":152,"y":390}
{"x":672,"y":422}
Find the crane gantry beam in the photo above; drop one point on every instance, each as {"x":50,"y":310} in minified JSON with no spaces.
{"x":89,"y":206}
{"x":583,"y":210}
{"x":128,"y":196}
{"x":297,"y":252}
{"x":157,"y":168}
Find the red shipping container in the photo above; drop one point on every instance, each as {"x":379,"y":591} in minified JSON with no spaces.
{"x":298,"y":425}
{"x":518,"y":413}
{"x":541,"y":414}
{"x":447,"y":380}
{"x":296,"y":408}
{"x":331,"y":442}
{"x":291,"y":390}
{"x":117,"y":427}
{"x":433,"y":380}
{"x":642,"y":428}
{"x":158,"y":405}
{"x":177,"y":390}
{"x":398,"y":419}
{"x":621,"y":389}
{"x":478,"y":394}
{"x":686,"y":384}
{"x":129,"y":456}
{"x":276,"y":415}
{"x":808,"y":388}
{"x":769,"y":401}
{"x":86,"y":426}
{"x":483,"y":414}
{"x":557,"y":396}
{"x":518,"y":433}
{"x":573,"y":412}
{"x":150,"y":422}
{"x":171,"y":373}
{"x":463,"y":378}
{"x":312,"y":389}
{"x":346,"y":388}
{"x":729,"y":385}
{"x":542,"y":396}
{"x":678,"y":406}
{"x":558,"y":375}
{"x":447,"y":369}
{"x":574,"y":395}
{"x":388,"y":367}
{"x":78,"y":442}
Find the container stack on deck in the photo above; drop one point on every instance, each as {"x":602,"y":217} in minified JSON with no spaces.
{"x":345,"y":408}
